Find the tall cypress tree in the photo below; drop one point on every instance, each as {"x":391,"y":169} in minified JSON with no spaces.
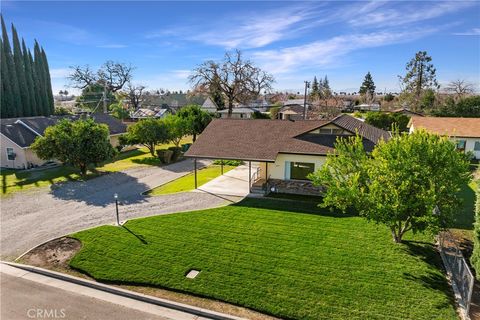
{"x":20,"y":70}
{"x":16,"y":107}
{"x":6,"y":98}
{"x":48,"y":83}
{"x":29,"y":80}
{"x":36,"y":86}
{"x":40,"y":71}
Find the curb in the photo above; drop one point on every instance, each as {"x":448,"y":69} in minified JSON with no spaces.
{"x":126,"y":293}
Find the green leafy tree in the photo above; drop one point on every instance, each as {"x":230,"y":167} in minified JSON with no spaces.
{"x":326,"y":91}
{"x":315,"y":93}
{"x":80,"y":143}
{"x":387,"y":121}
{"x":119,"y":111}
{"x":197,"y":119}
{"x":21,"y":76}
{"x":148,"y":132}
{"x":29,"y":80}
{"x":177,"y":128}
{"x":399,"y":184}
{"x":92,"y":97}
{"x":368,"y":86}
{"x":467,"y":107}
{"x":50,"y":107}
{"x":16,"y":108}
{"x":428,"y":99}
{"x":420,"y":76}
{"x":389,"y":97}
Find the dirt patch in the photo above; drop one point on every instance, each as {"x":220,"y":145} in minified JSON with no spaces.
{"x":55,"y":254}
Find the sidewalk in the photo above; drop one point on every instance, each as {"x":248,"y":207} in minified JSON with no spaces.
{"x":40,"y":289}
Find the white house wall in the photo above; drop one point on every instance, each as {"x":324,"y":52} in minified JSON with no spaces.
{"x":20,"y":161}
{"x":276,"y":170}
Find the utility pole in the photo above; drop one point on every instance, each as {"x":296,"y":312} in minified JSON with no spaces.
{"x":307,"y":85}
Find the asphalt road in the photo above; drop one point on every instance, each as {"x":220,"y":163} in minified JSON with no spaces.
{"x":24,"y":299}
{"x":32,"y":217}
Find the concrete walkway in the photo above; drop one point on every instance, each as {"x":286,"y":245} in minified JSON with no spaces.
{"x":27,"y":294}
{"x":232,"y":183}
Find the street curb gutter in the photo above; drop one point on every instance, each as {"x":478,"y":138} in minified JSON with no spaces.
{"x":126,"y":293}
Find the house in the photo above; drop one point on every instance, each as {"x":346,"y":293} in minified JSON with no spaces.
{"x":465,"y":132}
{"x":406,"y":111}
{"x":286,"y":151}
{"x":238,"y":113}
{"x":367,"y":107}
{"x":209,"y":106}
{"x":145,"y":113}
{"x":17,"y":134}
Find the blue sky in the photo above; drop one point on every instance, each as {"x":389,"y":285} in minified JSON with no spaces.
{"x":292,"y":40}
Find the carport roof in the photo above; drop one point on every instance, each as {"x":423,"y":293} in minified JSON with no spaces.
{"x":263,"y":140}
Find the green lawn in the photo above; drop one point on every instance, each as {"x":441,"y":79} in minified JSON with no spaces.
{"x":289,"y":259}
{"x":187,"y":182}
{"x":18,"y":180}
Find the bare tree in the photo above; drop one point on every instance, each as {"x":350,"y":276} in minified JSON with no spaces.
{"x":111,"y":75}
{"x":135,"y":94}
{"x":238,"y":80}
{"x":460,"y":88}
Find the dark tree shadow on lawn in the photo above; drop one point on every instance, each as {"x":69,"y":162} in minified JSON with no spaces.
{"x":138,"y":236}
{"x":100,"y":191}
{"x":291,"y":206}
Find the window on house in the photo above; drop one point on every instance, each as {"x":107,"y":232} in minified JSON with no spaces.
{"x":476,"y":147}
{"x":10,"y":154}
{"x":461,"y":145}
{"x":300,"y":170}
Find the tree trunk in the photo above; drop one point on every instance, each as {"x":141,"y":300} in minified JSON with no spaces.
{"x":230,"y":107}
{"x":151,"y":148}
{"x":194,"y":137}
{"x":397,"y":238}
{"x":83,"y":170}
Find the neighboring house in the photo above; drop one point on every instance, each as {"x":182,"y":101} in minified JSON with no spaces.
{"x":406,"y":111}
{"x":145,"y":113}
{"x":209,"y":106}
{"x":465,"y":132}
{"x":174,"y":101}
{"x":17,"y":134}
{"x":238,"y":113}
{"x":287,"y":151}
{"x":367,"y":107}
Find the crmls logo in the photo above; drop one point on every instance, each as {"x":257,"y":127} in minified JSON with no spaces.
{"x":46,"y":313}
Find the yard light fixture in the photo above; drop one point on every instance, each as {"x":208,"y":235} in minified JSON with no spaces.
{"x":115,"y":196}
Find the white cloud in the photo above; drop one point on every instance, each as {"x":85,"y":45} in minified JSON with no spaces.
{"x":325,"y":53}
{"x":472,"y":32}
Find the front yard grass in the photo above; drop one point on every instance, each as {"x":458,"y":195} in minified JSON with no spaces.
{"x":187,"y":182}
{"x":18,"y":180}
{"x":288,"y":259}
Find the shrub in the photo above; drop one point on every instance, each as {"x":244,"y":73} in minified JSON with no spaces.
{"x":233,"y":163}
{"x":475,"y":259}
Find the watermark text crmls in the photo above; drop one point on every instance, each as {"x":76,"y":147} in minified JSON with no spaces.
{"x":39,"y":313}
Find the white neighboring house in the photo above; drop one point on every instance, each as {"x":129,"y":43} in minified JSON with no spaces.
{"x":465,"y":132}
{"x":17,"y":134}
{"x":238,"y":113}
{"x":209,"y":106}
{"x":367,"y":107}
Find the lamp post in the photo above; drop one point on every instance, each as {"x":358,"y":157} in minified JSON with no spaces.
{"x":115,"y":196}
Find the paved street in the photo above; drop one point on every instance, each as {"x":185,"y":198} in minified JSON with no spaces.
{"x":32,"y":217}
{"x":27,"y":295}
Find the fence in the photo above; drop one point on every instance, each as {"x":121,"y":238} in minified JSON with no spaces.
{"x":457,"y":268}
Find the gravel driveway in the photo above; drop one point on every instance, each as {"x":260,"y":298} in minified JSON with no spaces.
{"x":32,"y":217}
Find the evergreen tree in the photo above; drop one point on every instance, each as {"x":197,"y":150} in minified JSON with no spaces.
{"x":16,"y":106}
{"x":20,"y":70}
{"x":368,"y":86}
{"x":6,"y":98}
{"x":40,"y":71}
{"x":29,"y":80}
{"x":315,"y":93}
{"x":48,"y":83}
{"x":36,"y":87}
{"x":326,"y":91}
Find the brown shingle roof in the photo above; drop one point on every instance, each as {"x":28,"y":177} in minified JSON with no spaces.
{"x":454,"y":127}
{"x":262,"y":140}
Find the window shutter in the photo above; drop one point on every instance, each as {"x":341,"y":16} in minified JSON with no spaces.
{"x":287,"y":170}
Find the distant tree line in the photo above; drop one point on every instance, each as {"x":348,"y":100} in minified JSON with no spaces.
{"x":26,"y":88}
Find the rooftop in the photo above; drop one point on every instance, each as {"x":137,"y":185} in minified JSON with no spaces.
{"x":453,"y":127}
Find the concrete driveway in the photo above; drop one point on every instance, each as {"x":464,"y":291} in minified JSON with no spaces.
{"x":232,"y":183}
{"x":32,"y":217}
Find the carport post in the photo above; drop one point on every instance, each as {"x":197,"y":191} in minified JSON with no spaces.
{"x":195,"y":169}
{"x":249,"y":176}
{"x":221,"y":165}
